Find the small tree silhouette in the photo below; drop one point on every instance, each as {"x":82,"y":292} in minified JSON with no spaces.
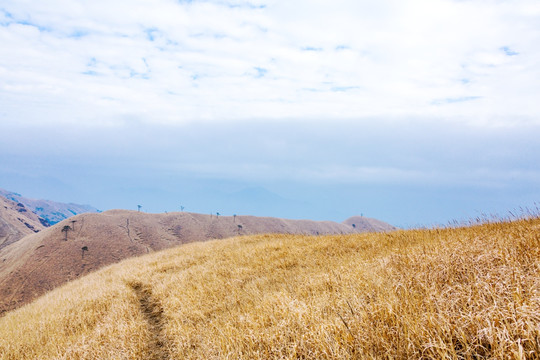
{"x":234,"y":217}
{"x":217,"y":215}
{"x":354,"y":226}
{"x":182,"y":208}
{"x":65,"y":229}
{"x":84,"y":248}
{"x":73,"y":224}
{"x":239,"y":228}
{"x":139,"y":208}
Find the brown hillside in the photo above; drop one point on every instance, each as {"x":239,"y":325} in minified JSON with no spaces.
{"x":364,"y":224}
{"x":16,"y":221}
{"x":41,"y":262}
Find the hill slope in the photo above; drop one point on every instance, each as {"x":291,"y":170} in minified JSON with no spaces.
{"x":51,"y":211}
{"x":362,"y":224}
{"x":41,"y":262}
{"x":454,"y":293}
{"x":16,"y":222}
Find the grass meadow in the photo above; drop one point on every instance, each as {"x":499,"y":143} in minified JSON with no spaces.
{"x":469,"y":292}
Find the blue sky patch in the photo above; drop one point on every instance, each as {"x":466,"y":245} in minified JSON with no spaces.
{"x":78,"y":34}
{"x":151,"y":33}
{"x":246,"y":6}
{"x":344,"y":88}
{"x":7,"y":16}
{"x":508,"y":51}
{"x":90,"y":73}
{"x":455,"y":100}
{"x":260,"y":72}
{"x":37,"y":26}
{"x":7,"y":13}
{"x":92,"y":62}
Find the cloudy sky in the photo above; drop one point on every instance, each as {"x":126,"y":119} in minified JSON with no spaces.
{"x":416,"y":112}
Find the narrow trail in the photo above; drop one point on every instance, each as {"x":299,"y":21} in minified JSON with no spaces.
{"x":153,"y":314}
{"x":127,"y":229}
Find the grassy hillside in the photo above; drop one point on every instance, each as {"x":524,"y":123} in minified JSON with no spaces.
{"x":463,"y":293}
{"x":16,"y":221}
{"x":85,"y":243}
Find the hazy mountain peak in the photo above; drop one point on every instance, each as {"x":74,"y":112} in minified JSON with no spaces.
{"x":52,"y":211}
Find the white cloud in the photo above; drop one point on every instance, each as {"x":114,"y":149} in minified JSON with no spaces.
{"x":176,"y":62}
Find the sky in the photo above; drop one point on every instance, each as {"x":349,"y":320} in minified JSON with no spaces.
{"x":415,"y":112}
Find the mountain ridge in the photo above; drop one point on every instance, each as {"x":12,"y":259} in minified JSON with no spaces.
{"x":87,"y":242}
{"x":50,"y":210}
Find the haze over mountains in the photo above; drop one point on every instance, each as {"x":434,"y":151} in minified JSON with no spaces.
{"x":38,"y":262}
{"x":52,"y":211}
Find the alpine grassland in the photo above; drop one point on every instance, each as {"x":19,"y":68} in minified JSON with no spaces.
{"x":461,"y":292}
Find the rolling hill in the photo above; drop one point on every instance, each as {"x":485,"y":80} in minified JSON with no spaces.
{"x":52,"y":211}
{"x":455,"y":293}
{"x":86,"y":242}
{"x":16,"y":221}
{"x":361,"y":224}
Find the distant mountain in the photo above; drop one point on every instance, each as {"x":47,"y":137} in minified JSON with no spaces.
{"x":87,"y":242}
{"x":16,"y":221}
{"x":363,"y":224}
{"x":51,"y":211}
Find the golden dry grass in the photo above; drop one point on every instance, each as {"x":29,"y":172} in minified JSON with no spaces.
{"x":457,"y":293}
{"x":40,"y":262}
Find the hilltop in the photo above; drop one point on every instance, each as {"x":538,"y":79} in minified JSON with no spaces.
{"x":361,"y":224}
{"x":87,"y":242}
{"x":456,"y":293}
{"x":16,"y":221}
{"x":52,"y":211}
